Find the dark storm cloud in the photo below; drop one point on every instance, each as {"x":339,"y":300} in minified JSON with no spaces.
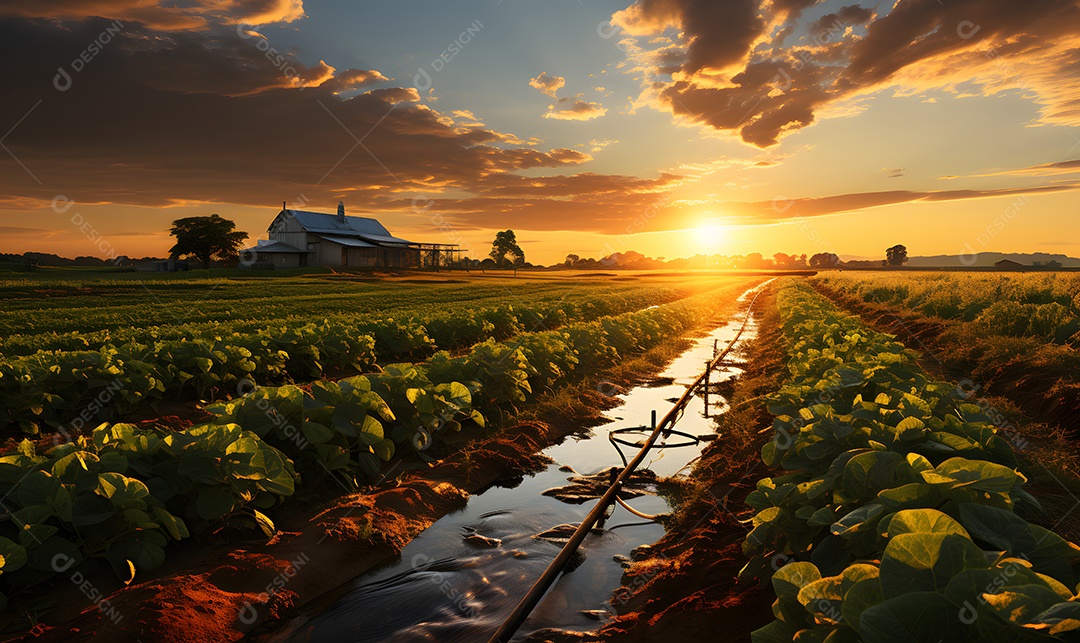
{"x":725,"y":48}
{"x":851,"y":15}
{"x":161,"y":15}
{"x":156,"y":118}
{"x":717,"y":34}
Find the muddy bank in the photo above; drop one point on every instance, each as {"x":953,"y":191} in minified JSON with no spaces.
{"x":227,"y":591}
{"x":684,"y":587}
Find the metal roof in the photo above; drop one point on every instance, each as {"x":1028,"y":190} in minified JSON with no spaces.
{"x":346,"y":241}
{"x":274,"y":246}
{"x":352,"y":226}
{"x":377,"y":238}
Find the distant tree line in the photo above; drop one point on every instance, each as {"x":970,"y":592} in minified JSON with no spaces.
{"x":632,"y":260}
{"x":56,"y":261}
{"x":894,"y":256}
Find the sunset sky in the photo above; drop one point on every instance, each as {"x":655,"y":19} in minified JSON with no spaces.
{"x":669,"y":127}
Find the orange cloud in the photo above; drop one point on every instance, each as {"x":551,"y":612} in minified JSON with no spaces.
{"x":780,"y":209}
{"x":223,"y":124}
{"x":547,"y":84}
{"x":162,"y":14}
{"x":1044,"y":169}
{"x":575,"y":109}
{"x":732,"y":69}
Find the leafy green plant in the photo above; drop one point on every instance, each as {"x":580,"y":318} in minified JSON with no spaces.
{"x":902,"y":509}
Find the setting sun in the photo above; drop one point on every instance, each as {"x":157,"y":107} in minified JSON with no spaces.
{"x":710,"y":237}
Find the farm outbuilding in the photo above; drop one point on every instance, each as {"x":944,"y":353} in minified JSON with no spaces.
{"x":300,"y":238}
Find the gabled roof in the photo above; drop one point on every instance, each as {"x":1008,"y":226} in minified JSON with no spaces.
{"x":364,"y":227}
{"x":348,"y":241}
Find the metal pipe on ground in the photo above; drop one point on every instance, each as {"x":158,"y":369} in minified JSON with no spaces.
{"x":536,"y":592}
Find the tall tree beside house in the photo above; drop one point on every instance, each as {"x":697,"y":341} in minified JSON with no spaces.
{"x":896,"y":256}
{"x":506,"y":244}
{"x":206,"y":238}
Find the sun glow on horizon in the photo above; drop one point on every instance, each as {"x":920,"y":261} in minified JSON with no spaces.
{"x":710,"y":237}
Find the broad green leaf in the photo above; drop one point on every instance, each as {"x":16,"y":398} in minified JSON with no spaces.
{"x":915,"y":616}
{"x":1021,"y":604}
{"x":175,"y":526}
{"x":924,"y":521}
{"x":384,"y":449}
{"x":858,"y":520}
{"x":998,"y":528}
{"x":91,"y":509}
{"x":1062,"y":617}
{"x":823,"y":598}
{"x":980,"y":474}
{"x":924,"y":562}
{"x":789,"y":579}
{"x":863,"y":595}
{"x":13,"y":554}
{"x":37,"y":488}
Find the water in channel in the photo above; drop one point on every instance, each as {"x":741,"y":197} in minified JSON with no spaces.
{"x":450,"y":587}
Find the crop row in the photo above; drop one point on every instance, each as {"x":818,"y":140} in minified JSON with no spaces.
{"x":121,"y":493}
{"x":52,"y":388}
{"x":1033,"y":305}
{"x":300,"y":310}
{"x":900,"y":517}
{"x":36,"y":318}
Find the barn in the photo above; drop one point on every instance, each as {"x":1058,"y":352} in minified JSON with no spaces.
{"x":298,"y":238}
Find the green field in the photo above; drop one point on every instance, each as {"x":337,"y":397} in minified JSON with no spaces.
{"x":321,"y":381}
{"x":900,"y":514}
{"x":901,"y":478}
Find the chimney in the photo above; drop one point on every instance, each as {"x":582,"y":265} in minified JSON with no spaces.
{"x":341,"y":211}
{"x":283,"y":208}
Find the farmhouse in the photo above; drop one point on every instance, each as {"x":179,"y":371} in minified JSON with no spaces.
{"x":1008,"y":264}
{"x":299,"y":238}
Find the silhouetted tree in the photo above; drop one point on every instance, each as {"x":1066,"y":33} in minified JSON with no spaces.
{"x":824,"y":260}
{"x":783,"y":260}
{"x":506,"y":244}
{"x":896,"y":256}
{"x":755,"y":260}
{"x":206,"y":238}
{"x":571,"y":259}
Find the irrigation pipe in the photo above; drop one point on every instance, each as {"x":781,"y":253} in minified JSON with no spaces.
{"x":635,"y":511}
{"x":536,"y":592}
